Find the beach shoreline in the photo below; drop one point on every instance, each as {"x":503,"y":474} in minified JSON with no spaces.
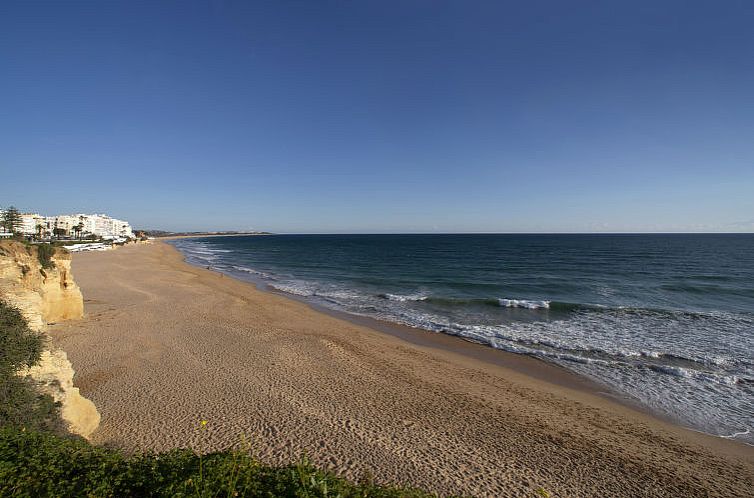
{"x":156,"y":324}
{"x":530,"y":366}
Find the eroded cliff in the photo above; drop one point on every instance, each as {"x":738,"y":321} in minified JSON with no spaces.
{"x":44,"y":291}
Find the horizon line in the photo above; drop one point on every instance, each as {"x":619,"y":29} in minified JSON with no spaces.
{"x":241,"y":233}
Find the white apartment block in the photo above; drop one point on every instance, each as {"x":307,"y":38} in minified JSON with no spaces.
{"x":29,"y":223}
{"x":104,"y":226}
{"x":100,"y":225}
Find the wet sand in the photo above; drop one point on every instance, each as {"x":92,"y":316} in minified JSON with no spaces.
{"x":165,"y":345}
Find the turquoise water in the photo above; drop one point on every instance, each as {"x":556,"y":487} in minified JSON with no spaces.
{"x":666,"y":320}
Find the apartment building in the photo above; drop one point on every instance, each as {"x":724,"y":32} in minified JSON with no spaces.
{"x":100,"y":225}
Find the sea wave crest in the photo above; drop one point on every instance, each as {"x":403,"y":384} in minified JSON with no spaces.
{"x":523,"y":303}
{"x":404,"y":297}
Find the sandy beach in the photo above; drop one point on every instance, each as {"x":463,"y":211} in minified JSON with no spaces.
{"x":165,"y":345}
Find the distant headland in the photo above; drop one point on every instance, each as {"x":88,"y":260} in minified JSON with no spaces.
{"x":166,"y":234}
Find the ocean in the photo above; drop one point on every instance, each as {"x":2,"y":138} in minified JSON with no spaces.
{"x":666,"y":320}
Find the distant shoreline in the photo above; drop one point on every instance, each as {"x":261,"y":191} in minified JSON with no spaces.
{"x":209,"y":234}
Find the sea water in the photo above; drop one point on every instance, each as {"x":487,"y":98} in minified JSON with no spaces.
{"x":665,"y":320}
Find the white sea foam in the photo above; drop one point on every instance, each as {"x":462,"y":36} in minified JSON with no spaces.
{"x":297,"y":289}
{"x":736,"y":434}
{"x":605,"y":346}
{"x":333,"y":294}
{"x":404,"y":298}
{"x":523,"y":303}
{"x":252,"y":271}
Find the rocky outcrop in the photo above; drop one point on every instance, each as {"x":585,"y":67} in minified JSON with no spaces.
{"x":44,"y":296}
{"x":55,"y":373}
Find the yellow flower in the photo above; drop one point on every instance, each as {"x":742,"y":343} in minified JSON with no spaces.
{"x":203,"y":424}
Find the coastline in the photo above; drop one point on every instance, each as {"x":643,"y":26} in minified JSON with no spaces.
{"x":541,"y":366}
{"x":529,"y":366}
{"x":164,"y":342}
{"x":205,"y":235}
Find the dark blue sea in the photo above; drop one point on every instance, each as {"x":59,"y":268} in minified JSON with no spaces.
{"x":666,"y":320}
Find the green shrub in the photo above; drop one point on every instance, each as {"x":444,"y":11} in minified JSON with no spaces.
{"x":20,"y":347}
{"x":21,"y":404}
{"x":42,"y":464}
{"x":45,"y":252}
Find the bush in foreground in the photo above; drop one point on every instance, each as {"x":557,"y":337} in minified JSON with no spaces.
{"x":21,"y":404}
{"x":42,"y":464}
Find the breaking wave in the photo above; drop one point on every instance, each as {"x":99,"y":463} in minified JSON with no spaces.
{"x":403,"y":298}
{"x":523,"y":303}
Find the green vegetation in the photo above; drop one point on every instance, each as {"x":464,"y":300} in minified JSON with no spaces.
{"x":37,"y":459}
{"x":79,"y":229}
{"x":11,"y":220}
{"x":39,"y":464}
{"x":21,"y":405}
{"x":45,"y":252}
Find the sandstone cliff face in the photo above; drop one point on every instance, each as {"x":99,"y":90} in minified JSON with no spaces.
{"x":46,"y":296}
{"x":55,"y":373}
{"x":43,"y":295}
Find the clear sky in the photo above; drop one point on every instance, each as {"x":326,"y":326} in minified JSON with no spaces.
{"x":405,"y":116}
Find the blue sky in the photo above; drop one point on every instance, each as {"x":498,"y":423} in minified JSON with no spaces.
{"x":409,"y":116}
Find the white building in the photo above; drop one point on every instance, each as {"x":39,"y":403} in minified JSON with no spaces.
{"x":70,"y":225}
{"x":30,"y":221}
{"x":104,"y":226}
{"x":66,"y":222}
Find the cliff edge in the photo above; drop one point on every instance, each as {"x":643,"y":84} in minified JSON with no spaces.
{"x":41,"y":286}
